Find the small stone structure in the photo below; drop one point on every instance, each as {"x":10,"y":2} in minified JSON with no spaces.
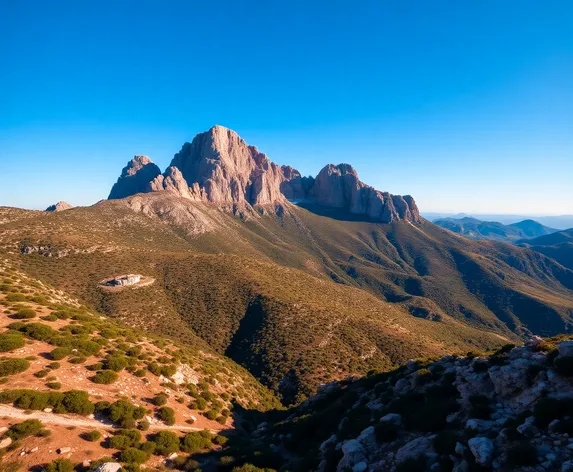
{"x":123,"y":280}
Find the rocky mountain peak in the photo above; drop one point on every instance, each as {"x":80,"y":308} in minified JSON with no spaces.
{"x":229,"y":170}
{"x":218,"y":166}
{"x":60,"y":206}
{"x":135,"y":177}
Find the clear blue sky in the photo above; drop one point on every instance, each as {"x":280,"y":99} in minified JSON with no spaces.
{"x":466,"y":105}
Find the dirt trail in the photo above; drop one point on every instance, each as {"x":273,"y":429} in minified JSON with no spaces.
{"x":65,"y":420}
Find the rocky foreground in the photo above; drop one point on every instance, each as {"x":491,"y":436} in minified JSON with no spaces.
{"x":509,"y":411}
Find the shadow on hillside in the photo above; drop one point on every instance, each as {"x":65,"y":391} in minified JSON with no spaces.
{"x":334,"y":213}
{"x":246,"y":443}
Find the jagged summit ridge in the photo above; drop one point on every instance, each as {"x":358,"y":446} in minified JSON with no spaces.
{"x":218,"y":166}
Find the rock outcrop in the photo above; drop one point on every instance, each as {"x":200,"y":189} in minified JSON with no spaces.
{"x":509,"y":411}
{"x":60,"y":206}
{"x":135,"y":178}
{"x":228,"y":170}
{"x":339,"y":187}
{"x":218,"y":166}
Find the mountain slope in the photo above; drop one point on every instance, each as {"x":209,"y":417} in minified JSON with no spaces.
{"x":492,"y":230}
{"x":291,"y":328}
{"x":81,"y":381}
{"x":558,"y":246}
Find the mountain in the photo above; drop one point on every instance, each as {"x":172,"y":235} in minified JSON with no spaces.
{"x":300,"y":280}
{"x":491,"y":230}
{"x":558,"y":246}
{"x":219,"y":167}
{"x":60,"y":206}
{"x":559,"y":222}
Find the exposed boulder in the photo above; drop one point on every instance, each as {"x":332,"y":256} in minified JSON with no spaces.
{"x":60,"y":206}
{"x":135,"y":178}
{"x":482,"y":449}
{"x":108,"y":467}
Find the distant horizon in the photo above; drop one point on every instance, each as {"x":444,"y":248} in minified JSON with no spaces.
{"x":461,"y":105}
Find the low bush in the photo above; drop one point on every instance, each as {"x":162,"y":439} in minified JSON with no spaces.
{"x":24,"y":429}
{"x":166,"y":442}
{"x":480,"y":407}
{"x":59,"y":353}
{"x":167,"y":415}
{"x":54,"y":385}
{"x":92,"y":436}
{"x":13,"y":366}
{"x":105,"y":377}
{"x":116,"y":363}
{"x":193,"y":442}
{"x":24,"y":314}
{"x":11,"y":341}
{"x":160,"y":399}
{"x":60,"y":465}
{"x":133,"y":455}
{"x":122,"y":412}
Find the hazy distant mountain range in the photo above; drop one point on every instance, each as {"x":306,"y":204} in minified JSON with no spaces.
{"x":557,"y":221}
{"x":492,"y":230}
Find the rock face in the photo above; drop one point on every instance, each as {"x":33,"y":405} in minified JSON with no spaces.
{"x":339,"y":187}
{"x":60,"y":206}
{"x":228,"y":170}
{"x":135,"y":177}
{"x":218,"y":166}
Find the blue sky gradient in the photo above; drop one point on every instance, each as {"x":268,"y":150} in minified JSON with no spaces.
{"x":468,"y":106}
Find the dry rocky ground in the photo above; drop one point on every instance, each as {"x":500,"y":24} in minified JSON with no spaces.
{"x":51,"y":346}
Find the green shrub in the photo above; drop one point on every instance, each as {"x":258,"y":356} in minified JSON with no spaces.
{"x":143,"y":425}
{"x":16,"y":297}
{"x":92,"y":436}
{"x":24,"y":429}
{"x":105,"y":377}
{"x":24,"y":314}
{"x":251,"y":468}
{"x":193,"y":442}
{"x":54,"y":385}
{"x":77,"y":401}
{"x":148,"y":447}
{"x":211,"y":415}
{"x":13,"y":366}
{"x":167,"y":415}
{"x":59,"y":353}
{"x":39,"y":331}
{"x":11,"y":341}
{"x":160,"y":399}
{"x":133,"y":455}
{"x":116,"y":363}
{"x":199,"y":404}
{"x":166,"y":442}
{"x":220,"y":440}
{"x":42,"y":373}
{"x":122,"y":412}
{"x":60,"y":465}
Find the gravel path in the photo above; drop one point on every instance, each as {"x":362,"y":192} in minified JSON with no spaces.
{"x":79,"y":421}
